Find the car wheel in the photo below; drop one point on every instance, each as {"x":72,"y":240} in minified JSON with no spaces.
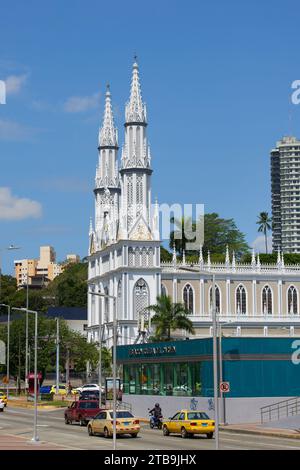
{"x":106,"y":432}
{"x":1,"y":409}
{"x":90,"y":431}
{"x":134,"y":434}
{"x":82,"y":422}
{"x":184,"y":433}
{"x":166,"y":431}
{"x":210,"y":435}
{"x":67,"y":421}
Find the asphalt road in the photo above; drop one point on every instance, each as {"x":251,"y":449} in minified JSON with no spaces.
{"x":53,"y":430}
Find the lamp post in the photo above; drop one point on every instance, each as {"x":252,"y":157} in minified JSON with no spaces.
{"x":57,"y":355}
{"x":10,"y":247}
{"x":114,"y":360}
{"x":215,"y":363}
{"x":35,"y":437}
{"x":26,"y":336}
{"x":7,"y":347}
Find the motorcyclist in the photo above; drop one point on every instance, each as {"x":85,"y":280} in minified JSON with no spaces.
{"x":156,"y":412}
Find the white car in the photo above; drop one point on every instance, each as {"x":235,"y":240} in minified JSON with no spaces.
{"x":88,"y":388}
{"x":2,"y":405}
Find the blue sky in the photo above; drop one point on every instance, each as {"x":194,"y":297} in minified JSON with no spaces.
{"x":216,"y":77}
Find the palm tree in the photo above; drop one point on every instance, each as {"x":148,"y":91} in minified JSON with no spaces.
{"x":264,"y":222}
{"x":168,"y":317}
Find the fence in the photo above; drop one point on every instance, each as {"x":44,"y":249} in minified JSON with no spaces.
{"x":281,"y":409}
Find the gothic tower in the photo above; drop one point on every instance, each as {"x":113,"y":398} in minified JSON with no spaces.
{"x":124,"y":259}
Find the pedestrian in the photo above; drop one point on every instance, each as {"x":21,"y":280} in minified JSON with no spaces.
{"x":69,"y":388}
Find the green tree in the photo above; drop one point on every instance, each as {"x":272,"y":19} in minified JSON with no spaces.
{"x":169,"y":316}
{"x":72,"y":344}
{"x":264,"y":222}
{"x":165,"y":255}
{"x":218,"y":233}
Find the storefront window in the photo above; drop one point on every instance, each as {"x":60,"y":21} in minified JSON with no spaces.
{"x":169,"y":379}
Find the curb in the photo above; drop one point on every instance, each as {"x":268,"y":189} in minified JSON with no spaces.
{"x":259,"y":432}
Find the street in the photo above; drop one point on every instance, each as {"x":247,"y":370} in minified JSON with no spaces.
{"x":57,"y":435}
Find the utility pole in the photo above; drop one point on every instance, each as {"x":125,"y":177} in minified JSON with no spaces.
{"x":26,"y":340}
{"x":215,"y":363}
{"x":100,"y":353}
{"x":57,"y":355}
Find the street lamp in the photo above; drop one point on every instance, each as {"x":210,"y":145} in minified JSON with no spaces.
{"x":10,"y":247}
{"x":215,"y":362}
{"x":7,"y":347}
{"x":114,"y":359}
{"x":57,"y":355}
{"x":35,"y":437}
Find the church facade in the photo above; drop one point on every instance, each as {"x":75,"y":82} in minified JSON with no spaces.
{"x":124,"y":254}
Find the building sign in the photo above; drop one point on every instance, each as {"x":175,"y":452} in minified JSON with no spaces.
{"x":152,"y":351}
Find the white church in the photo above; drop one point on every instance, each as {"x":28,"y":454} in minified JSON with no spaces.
{"x":124,"y":253}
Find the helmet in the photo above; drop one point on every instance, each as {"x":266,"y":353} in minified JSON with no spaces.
{"x":157,"y":405}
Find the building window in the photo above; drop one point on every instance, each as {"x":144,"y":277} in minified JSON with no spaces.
{"x":218,"y":300}
{"x":141,"y":299}
{"x":130,"y":257}
{"x":119,"y":298}
{"x":241,"y":302}
{"x":188,"y":298}
{"x":267,"y":300}
{"x":292,"y":300}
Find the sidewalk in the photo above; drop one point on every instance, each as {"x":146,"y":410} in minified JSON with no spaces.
{"x":12,"y":442}
{"x":257,"y":429}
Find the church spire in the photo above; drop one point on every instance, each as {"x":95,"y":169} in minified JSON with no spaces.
{"x":108,"y":135}
{"x":135,"y":108}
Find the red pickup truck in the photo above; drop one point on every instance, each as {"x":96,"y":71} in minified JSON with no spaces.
{"x":82,"y":411}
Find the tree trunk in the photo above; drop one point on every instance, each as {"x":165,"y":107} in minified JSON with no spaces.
{"x":266,"y":242}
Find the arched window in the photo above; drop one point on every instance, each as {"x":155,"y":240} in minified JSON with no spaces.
{"x":137,"y":257}
{"x":130,"y":257}
{"x":163,"y":290}
{"x":188,"y":298}
{"x":106,"y":306}
{"x":119,"y":299}
{"x":140,"y":299}
{"x":150,"y":257}
{"x":240,"y":300}
{"x":144,"y":257}
{"x":292,"y":300}
{"x":218,"y":300}
{"x":267,"y":300}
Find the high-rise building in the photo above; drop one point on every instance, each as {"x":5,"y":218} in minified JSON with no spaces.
{"x":38,"y":272}
{"x":285,"y":186}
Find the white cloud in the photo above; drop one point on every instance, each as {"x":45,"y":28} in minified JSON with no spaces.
{"x":15,"y":208}
{"x":78,"y":104}
{"x":259,"y":244}
{"x":14,"y":83}
{"x":12,"y":130}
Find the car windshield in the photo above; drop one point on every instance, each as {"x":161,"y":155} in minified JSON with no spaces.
{"x":197,"y":415}
{"x":122,"y":414}
{"x":89,"y":405}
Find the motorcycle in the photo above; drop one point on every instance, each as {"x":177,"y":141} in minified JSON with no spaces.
{"x":155,"y":421}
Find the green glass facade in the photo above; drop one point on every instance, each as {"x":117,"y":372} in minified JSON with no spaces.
{"x":176,"y":379}
{"x":254,"y":367}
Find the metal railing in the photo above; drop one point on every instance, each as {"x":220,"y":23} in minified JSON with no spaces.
{"x":281,"y":409}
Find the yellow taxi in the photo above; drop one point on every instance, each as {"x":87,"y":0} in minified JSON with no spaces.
{"x":126,"y":423}
{"x":62,"y":389}
{"x":187,"y":423}
{"x":3,"y":397}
